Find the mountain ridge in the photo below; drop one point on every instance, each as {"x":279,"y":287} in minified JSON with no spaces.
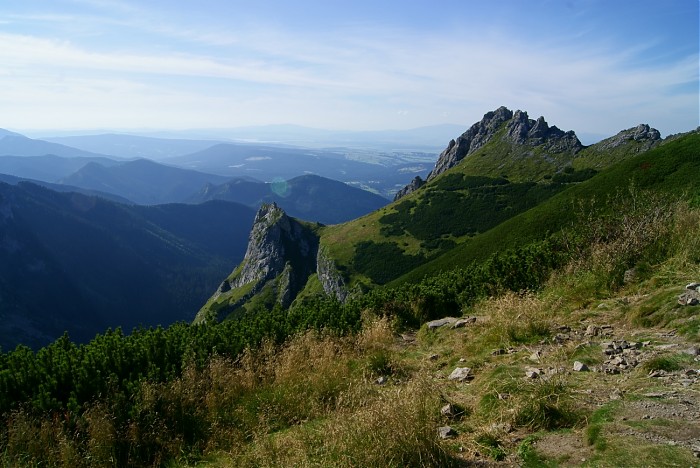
{"x":438,"y":215}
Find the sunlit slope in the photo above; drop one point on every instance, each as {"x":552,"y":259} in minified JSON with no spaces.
{"x":669,"y":169}
{"x":500,"y":180}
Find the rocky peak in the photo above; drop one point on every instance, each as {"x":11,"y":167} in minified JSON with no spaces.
{"x":414,"y":185}
{"x":282,"y":253}
{"x":520,"y":130}
{"x":477,"y":136}
{"x":643,"y":134}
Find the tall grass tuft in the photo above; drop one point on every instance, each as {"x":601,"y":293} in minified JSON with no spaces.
{"x":396,"y":428}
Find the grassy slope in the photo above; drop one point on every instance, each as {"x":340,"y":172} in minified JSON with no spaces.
{"x":669,"y":168}
{"x":322,"y":406}
{"x":437,"y":205}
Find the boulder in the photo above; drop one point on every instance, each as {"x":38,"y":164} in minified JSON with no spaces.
{"x":440,"y":322}
{"x":461,"y":374}
{"x":446,"y":432}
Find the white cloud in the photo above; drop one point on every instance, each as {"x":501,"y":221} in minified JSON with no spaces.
{"x":358,"y":78}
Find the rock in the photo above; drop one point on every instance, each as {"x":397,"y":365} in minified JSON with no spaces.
{"x":592,"y":330}
{"x":446,"y":432}
{"x":433,"y":357}
{"x":447,"y":411}
{"x":561,"y":338}
{"x":689,"y":298}
{"x":645,"y":136}
{"x":693,"y":350}
{"x":381,"y":380}
{"x":535,"y":356}
{"x":464,"y":322}
{"x":432,"y":325}
{"x":666,"y":346}
{"x":498,"y":352}
{"x":580,"y":367}
{"x":281,"y":254}
{"x":414,"y":185}
{"x":616,"y":394}
{"x":692,"y":286}
{"x":331,"y":279}
{"x":532,"y":372}
{"x":520,"y":130}
{"x":461,"y":374}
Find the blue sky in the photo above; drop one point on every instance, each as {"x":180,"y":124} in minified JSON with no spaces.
{"x":594,"y":66}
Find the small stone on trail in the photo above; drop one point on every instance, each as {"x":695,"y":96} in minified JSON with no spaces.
{"x":580,"y":367}
{"x":463,"y":322}
{"x":447,"y":411}
{"x":446,"y":432}
{"x":461,"y":374}
{"x":440,"y":323}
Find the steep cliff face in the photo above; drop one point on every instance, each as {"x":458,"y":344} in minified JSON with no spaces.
{"x":282,"y":253}
{"x":519,"y":130}
{"x":331,"y":279}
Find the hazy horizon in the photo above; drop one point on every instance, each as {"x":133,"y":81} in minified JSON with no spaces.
{"x":591,"y":66}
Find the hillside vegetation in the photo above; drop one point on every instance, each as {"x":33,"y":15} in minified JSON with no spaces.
{"x":488,"y":320}
{"x":366,"y":383}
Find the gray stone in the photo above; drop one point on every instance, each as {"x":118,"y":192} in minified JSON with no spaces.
{"x":381,"y":380}
{"x":464,"y":322}
{"x":535,"y":356}
{"x":446,"y":432}
{"x":592,"y":330}
{"x":689,"y":298}
{"x":692,"y":286}
{"x":414,"y":185}
{"x":642,"y":133}
{"x":440,"y":322}
{"x":693,"y":350}
{"x":532,"y":372}
{"x":461,"y":374}
{"x":580,"y":367}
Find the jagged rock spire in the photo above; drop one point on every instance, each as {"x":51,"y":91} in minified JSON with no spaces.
{"x":519,"y":130}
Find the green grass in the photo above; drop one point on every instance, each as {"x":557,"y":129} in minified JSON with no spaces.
{"x":633,"y":453}
{"x":668,"y":363}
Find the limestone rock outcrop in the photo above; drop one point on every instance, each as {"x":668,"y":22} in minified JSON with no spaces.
{"x":519,"y":130}
{"x":282,"y":253}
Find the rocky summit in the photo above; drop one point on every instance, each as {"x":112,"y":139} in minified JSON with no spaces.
{"x":519,"y":130}
{"x":282,"y":253}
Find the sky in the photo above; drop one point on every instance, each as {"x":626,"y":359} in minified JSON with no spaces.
{"x":593,"y":66}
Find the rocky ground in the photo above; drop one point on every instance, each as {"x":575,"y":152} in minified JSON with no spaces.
{"x":636,"y":388}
